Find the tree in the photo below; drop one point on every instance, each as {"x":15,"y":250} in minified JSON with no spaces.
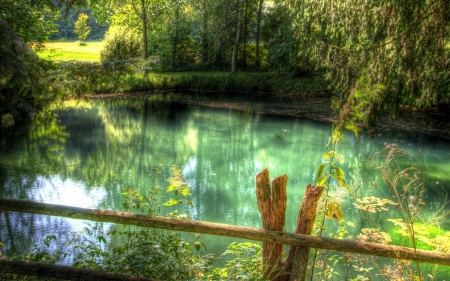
{"x":33,"y":23}
{"x":25,"y":86}
{"x":258,"y":33}
{"x":22,"y":79}
{"x":81,"y":27}
{"x":280,"y":38}
{"x":398,"y":43}
{"x":238,"y":34}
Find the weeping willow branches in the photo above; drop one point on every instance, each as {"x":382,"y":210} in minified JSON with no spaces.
{"x":402,"y":44}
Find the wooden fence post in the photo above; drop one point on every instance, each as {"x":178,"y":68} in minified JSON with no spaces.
{"x":272,"y":206}
{"x":297,"y":260}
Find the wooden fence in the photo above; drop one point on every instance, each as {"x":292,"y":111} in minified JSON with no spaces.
{"x":269,"y":237}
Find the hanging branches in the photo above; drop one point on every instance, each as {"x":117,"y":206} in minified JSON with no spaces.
{"x":401,"y":44}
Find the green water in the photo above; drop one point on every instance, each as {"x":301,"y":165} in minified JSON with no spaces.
{"x":88,"y":154}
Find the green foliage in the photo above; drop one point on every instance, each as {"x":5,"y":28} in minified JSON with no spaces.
{"x":405,"y":189}
{"x":429,"y":237}
{"x":25,"y":85}
{"x":177,"y":47}
{"x":32,"y":21}
{"x":178,"y":187}
{"x":66,"y":25}
{"x":81,"y":27}
{"x":282,"y":45}
{"x":403,"y":48}
{"x":83,"y":77}
{"x":120,"y":44}
{"x":246,"y":264}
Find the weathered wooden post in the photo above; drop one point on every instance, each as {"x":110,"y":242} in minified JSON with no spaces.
{"x":272,"y":206}
{"x":297,"y":260}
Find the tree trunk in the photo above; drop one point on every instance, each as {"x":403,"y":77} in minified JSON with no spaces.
{"x":236,"y":43}
{"x":175,"y":38}
{"x":144,"y":29}
{"x":245,"y":28}
{"x":205,"y":32}
{"x":258,"y":34}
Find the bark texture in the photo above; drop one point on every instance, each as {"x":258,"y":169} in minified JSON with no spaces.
{"x":297,"y":260}
{"x":272,"y":206}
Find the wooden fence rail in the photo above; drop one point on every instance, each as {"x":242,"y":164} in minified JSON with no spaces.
{"x":63,"y":272}
{"x":278,"y":237}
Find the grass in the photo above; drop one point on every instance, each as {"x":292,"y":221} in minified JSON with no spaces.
{"x":70,"y":50}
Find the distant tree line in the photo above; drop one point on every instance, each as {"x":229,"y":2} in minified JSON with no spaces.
{"x":65,"y":26}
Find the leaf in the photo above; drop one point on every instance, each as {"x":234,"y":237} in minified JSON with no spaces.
{"x":171,"y":202}
{"x":185,"y":191}
{"x":340,"y":173}
{"x":322,"y":180}
{"x":197,"y":245}
{"x":328,"y":155}
{"x":101,"y":239}
{"x":353,"y":128}
{"x":320,"y":170}
{"x":334,"y":211}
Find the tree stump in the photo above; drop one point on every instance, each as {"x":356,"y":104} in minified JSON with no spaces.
{"x":272,"y":206}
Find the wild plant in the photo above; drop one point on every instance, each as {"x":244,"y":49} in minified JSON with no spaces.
{"x":405,"y":194}
{"x":245,"y":264}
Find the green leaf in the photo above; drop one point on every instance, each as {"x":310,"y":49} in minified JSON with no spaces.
{"x":327,"y":155}
{"x":185,"y":192}
{"x":340,"y":173}
{"x":197,"y":245}
{"x":171,"y":202}
{"x":343,"y":183}
{"x":322,"y":180}
{"x":320,"y":170}
{"x":101,"y":239}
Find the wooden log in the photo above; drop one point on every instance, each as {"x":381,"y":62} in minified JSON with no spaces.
{"x":297,"y":260}
{"x":63,"y":272}
{"x":272,"y":206}
{"x":250,"y":233}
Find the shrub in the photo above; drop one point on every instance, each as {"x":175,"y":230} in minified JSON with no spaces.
{"x":120,"y":44}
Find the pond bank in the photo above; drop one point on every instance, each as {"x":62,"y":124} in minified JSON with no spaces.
{"x":432,"y":122}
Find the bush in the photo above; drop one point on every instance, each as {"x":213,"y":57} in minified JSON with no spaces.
{"x":120,"y":44}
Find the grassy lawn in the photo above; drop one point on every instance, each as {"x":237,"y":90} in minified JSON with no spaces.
{"x":71,"y":51}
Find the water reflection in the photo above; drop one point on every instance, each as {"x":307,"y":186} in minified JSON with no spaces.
{"x":89,"y":153}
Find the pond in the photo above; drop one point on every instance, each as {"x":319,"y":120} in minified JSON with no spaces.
{"x":89,"y":153}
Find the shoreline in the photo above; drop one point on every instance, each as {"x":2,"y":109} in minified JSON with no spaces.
{"x":431,"y":122}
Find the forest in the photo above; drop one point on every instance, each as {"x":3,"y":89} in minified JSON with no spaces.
{"x":369,"y":59}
